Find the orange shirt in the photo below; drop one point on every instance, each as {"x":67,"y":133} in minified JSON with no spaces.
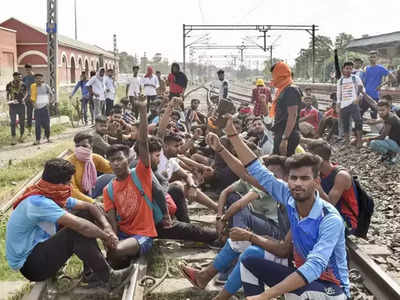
{"x":136,"y":217}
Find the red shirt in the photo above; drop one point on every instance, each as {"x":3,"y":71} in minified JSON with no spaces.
{"x":258,"y":110}
{"x":136,"y":217}
{"x":173,"y":87}
{"x":331,"y":113}
{"x":314,"y":119}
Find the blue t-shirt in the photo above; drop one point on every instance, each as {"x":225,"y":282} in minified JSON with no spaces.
{"x":373,"y":78}
{"x":32,"y":222}
{"x":28,"y":80}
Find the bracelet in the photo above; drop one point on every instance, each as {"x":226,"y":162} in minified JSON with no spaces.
{"x":232,"y":135}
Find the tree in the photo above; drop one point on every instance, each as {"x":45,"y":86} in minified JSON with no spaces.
{"x":342,"y":39}
{"x":125,"y":62}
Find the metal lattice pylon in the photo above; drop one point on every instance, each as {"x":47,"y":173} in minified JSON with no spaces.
{"x":52,"y":45}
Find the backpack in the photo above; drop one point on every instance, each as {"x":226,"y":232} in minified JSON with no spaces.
{"x":157,"y":213}
{"x":365,"y":206}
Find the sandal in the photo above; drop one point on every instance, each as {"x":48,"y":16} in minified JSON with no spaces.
{"x":189,"y":274}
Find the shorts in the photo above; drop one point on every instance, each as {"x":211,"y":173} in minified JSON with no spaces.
{"x":145,"y":242}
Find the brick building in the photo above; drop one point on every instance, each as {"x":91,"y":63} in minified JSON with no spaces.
{"x":8,"y":55}
{"x":73,"y":56}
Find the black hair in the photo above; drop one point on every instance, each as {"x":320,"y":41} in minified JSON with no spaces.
{"x":172,"y":137}
{"x":307,"y":88}
{"x":110,"y":70}
{"x":321,"y":148}
{"x":116,"y":148}
{"x":273,"y":67}
{"x":158,"y":71}
{"x":92,"y":73}
{"x":300,"y":160}
{"x":348,"y":63}
{"x":117,"y":109}
{"x":155,"y":144}
{"x":176,"y":113}
{"x":194,"y":99}
{"x":384,"y":103}
{"x":220,"y":71}
{"x":28,"y":66}
{"x":38,"y":75}
{"x":387,"y":98}
{"x":333,"y":96}
{"x":175,"y":65}
{"x":135,"y":67}
{"x":80,"y":136}
{"x":256,"y":119}
{"x":275,"y":160}
{"x":58,"y":170}
{"x":358,"y":59}
{"x":16,"y":74}
{"x":101,"y":119}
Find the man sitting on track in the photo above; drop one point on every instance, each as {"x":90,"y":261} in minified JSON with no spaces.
{"x":128,"y":199}
{"x":38,"y":250}
{"x":86,"y":185}
{"x":318,"y":231}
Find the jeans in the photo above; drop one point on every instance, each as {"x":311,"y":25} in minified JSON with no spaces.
{"x":293,"y":142}
{"x":187,"y":232}
{"x":42,"y":119}
{"x":384,"y":146}
{"x":109,"y":106}
{"x":348,"y":113}
{"x":257,"y":271}
{"x":245,"y":219}
{"x":17,"y":109}
{"x":364,"y":106}
{"x":29,"y":112}
{"x":98,"y":107}
{"x":84,"y":104}
{"x":101,"y":183}
{"x":49,"y":256}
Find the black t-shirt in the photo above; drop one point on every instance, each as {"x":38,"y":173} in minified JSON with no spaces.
{"x":289,"y":97}
{"x":394,"y":133}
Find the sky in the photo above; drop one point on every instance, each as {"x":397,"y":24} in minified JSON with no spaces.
{"x":156,"y":26}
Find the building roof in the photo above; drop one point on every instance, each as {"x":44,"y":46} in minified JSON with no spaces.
{"x":387,"y":40}
{"x":69,"y":42}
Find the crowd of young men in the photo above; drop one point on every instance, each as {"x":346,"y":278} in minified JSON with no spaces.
{"x":282,"y":215}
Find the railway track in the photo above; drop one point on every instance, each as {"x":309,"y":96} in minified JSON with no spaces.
{"x":371,"y":275}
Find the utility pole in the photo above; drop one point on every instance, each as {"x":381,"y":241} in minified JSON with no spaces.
{"x":76,"y":26}
{"x":52,"y":46}
{"x":270,"y":55}
{"x":184,"y":48}
{"x":115,"y":53}
{"x":313,"y":53}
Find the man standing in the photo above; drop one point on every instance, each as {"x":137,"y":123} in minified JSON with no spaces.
{"x":85,"y":97}
{"x":16,"y":93}
{"x":349,"y":88}
{"x":109,"y":85}
{"x":162,"y":88}
{"x":285,"y":109}
{"x":133,"y":89}
{"x":373,"y":76}
{"x":177,"y":81}
{"x":28,"y":80}
{"x":223,"y":85}
{"x":41,"y":95}
{"x":149,"y":85}
{"x":96,"y":91}
{"x":260,"y":107}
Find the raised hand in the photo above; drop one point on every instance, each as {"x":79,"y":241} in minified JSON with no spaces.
{"x":214,"y":142}
{"x":229,"y":128}
{"x":141,"y":102}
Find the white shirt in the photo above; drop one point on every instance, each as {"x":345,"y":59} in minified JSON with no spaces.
{"x":149,"y":90}
{"x":347,"y":90}
{"x":134,"y":86}
{"x":97,"y":86}
{"x":109,"y":84}
{"x":167,"y":167}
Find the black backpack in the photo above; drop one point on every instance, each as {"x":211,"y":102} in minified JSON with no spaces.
{"x":365,"y":207}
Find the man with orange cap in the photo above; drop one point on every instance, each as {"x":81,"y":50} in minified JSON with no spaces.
{"x":260,"y":107}
{"x":285,"y":110}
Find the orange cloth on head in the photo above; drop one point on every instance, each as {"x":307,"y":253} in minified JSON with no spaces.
{"x":281,"y":78}
{"x":136,"y":217}
{"x":59,"y":193}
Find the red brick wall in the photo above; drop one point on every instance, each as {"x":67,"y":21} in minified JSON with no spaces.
{"x":8,"y":56}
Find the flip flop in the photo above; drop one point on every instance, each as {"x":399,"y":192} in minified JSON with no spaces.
{"x":189,"y":274}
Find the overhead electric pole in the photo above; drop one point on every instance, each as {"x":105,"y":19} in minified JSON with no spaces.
{"x":52,"y":45}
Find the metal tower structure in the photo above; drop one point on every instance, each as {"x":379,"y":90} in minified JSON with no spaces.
{"x":311,"y":29}
{"x":52,"y":45}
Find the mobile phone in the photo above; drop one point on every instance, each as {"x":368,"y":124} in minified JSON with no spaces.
{"x":224,"y":107}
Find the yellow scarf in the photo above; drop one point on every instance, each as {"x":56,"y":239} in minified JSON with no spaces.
{"x":33,"y":92}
